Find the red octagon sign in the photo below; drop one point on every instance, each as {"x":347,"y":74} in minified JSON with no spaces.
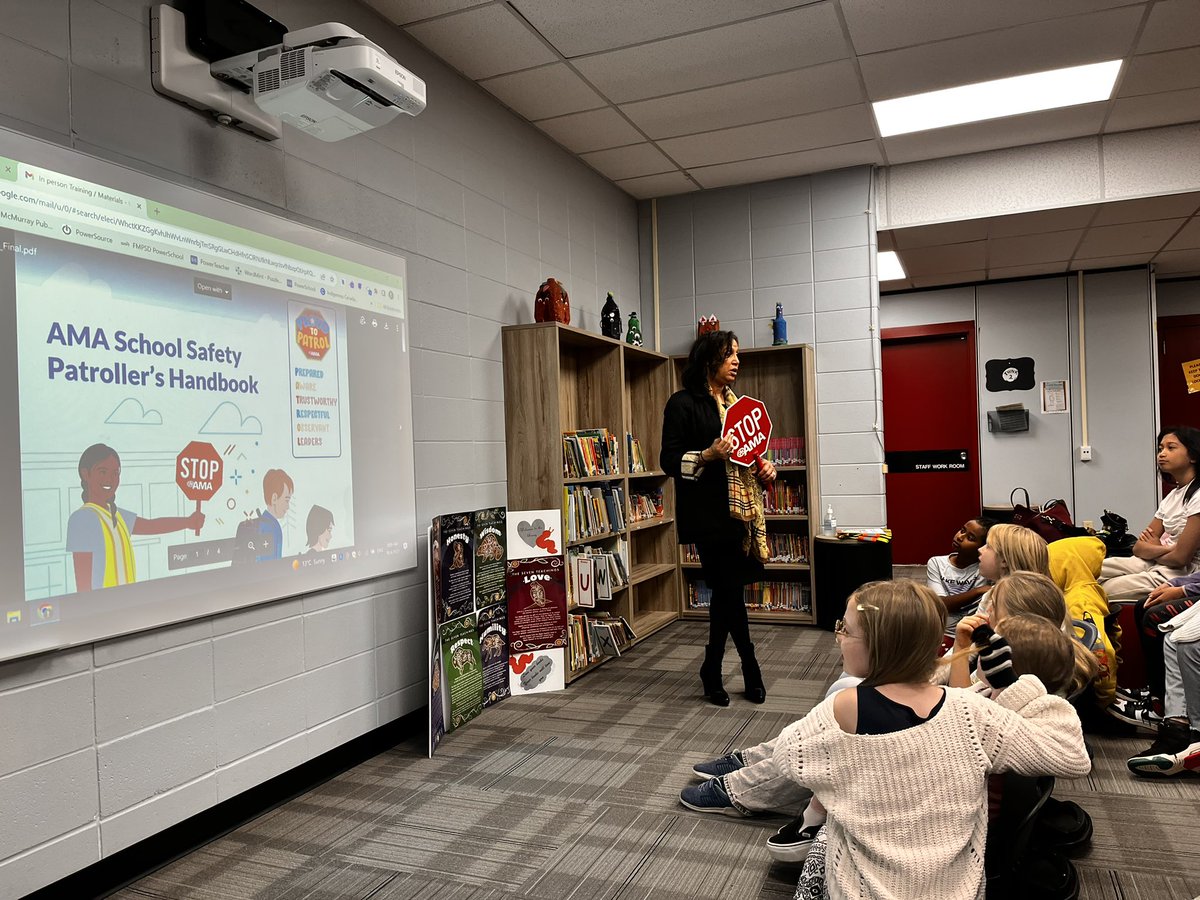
{"x":198,"y":471}
{"x":748,"y":428}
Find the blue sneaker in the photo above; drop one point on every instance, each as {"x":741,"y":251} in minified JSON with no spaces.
{"x":715,"y":768}
{"x":710,"y":797}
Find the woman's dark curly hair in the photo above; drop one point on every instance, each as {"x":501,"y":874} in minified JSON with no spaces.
{"x":705,"y":358}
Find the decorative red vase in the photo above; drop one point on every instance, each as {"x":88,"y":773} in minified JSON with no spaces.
{"x":552,"y":303}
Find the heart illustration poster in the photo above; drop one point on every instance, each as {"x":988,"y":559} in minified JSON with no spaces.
{"x":534,"y":533}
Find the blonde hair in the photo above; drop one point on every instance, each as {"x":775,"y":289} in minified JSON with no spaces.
{"x":1040,"y":648}
{"x":1018,"y":549}
{"x":902,"y":624}
{"x":1031,"y":594}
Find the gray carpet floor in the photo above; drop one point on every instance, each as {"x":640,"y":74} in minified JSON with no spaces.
{"x":574,"y":796}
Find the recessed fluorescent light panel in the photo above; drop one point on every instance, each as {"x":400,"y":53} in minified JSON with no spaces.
{"x":890,"y":268}
{"x":996,"y":99}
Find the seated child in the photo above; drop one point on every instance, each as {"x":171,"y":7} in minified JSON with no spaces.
{"x":956,"y":578}
{"x":894,"y":827}
{"x":1031,"y":646}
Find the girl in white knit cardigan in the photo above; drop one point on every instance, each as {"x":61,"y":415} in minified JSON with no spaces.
{"x":882,"y":756}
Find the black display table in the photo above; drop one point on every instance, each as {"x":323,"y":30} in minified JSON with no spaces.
{"x":842,"y":566}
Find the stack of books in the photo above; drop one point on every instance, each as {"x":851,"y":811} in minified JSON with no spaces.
{"x":785,"y":451}
{"x":645,"y":505}
{"x":593,"y":510}
{"x":637,"y":462}
{"x":590,"y":452}
{"x":782,"y":497}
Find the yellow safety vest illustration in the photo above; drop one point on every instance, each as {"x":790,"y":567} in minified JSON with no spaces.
{"x":127,"y":572}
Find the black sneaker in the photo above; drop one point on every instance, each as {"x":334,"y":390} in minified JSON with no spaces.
{"x":1175,"y":750}
{"x":1139,"y":713}
{"x":791,"y":843}
{"x":1141,"y":695}
{"x":715,"y":768}
{"x":710,"y":797}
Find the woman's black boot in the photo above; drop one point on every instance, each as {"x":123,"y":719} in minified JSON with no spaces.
{"x":710,"y":675}
{"x":756,"y":691}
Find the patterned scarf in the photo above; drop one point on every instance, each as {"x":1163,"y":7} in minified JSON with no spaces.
{"x":745,"y":496}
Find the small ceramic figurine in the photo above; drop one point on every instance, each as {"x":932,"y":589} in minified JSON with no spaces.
{"x":634,"y":335}
{"x":779,"y":326}
{"x":551,"y":303}
{"x":610,"y":319}
{"x":707,"y":324}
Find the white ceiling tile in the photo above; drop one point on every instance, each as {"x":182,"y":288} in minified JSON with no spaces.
{"x":629,"y":162}
{"x":996,"y":134}
{"x":1172,"y":23}
{"x":402,"y":12}
{"x":1111,"y":262}
{"x":1147,"y":209}
{"x":826,"y":86}
{"x":999,"y":54}
{"x":658,"y":185}
{"x":577,"y":27}
{"x":544,"y":92}
{"x":942,"y":278}
{"x":946,"y":233}
{"x":1033,"y":248}
{"x":822,"y":129}
{"x":777,"y":43}
{"x":1178,"y":262}
{"x":945,"y":258}
{"x":1171,"y":70}
{"x":769,"y":168}
{"x":597,"y":129}
{"x":488,"y":40}
{"x":1154,"y":110}
{"x":883,"y":24}
{"x":1121,"y":240}
{"x":1042,"y":221}
{"x":1026,"y":271}
{"x":1188,"y":237}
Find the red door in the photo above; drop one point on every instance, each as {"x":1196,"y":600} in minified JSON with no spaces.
{"x":931,"y":436}
{"x":1178,"y":343}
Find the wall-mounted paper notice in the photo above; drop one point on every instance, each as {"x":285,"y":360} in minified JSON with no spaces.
{"x":1054,"y":397}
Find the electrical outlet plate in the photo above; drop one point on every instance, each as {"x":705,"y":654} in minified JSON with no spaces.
{"x":1085,"y":453}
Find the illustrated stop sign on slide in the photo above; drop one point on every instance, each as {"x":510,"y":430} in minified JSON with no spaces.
{"x":199,"y":472}
{"x":748,"y":428}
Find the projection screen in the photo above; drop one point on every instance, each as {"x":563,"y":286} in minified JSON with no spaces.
{"x":208,"y":406}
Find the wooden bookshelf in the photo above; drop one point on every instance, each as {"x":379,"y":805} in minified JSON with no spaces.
{"x":784,"y":379}
{"x":557,"y":379}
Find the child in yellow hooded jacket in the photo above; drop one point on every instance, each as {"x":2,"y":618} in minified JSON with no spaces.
{"x":1074,"y":566}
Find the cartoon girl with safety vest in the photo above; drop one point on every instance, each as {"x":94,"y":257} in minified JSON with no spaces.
{"x":99,"y":534}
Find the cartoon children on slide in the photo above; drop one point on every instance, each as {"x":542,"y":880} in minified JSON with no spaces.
{"x":277,"y":494}
{"x":319,"y":528}
{"x":99,"y":532}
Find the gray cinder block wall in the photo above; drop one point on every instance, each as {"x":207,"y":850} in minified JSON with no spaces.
{"x":106,"y":744}
{"x":808,"y":243}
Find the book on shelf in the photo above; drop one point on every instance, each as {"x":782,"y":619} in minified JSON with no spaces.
{"x":767,"y":596}
{"x":637,"y":461}
{"x":593,"y":510}
{"x":787,"y":547}
{"x":590,"y":452}
{"x":691,"y":554}
{"x":785,"y":451}
{"x":610,"y":568}
{"x":593,"y":636}
{"x":782,"y":497}
{"x":645,"y":505}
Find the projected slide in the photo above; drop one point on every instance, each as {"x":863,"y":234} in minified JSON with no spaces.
{"x":205,"y":415}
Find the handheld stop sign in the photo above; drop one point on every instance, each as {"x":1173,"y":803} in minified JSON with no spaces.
{"x":198,"y":472}
{"x":748,"y":427}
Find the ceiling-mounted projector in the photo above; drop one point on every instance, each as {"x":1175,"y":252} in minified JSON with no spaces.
{"x":328,"y":81}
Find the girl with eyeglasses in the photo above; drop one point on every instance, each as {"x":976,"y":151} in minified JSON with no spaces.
{"x":880,"y":755}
